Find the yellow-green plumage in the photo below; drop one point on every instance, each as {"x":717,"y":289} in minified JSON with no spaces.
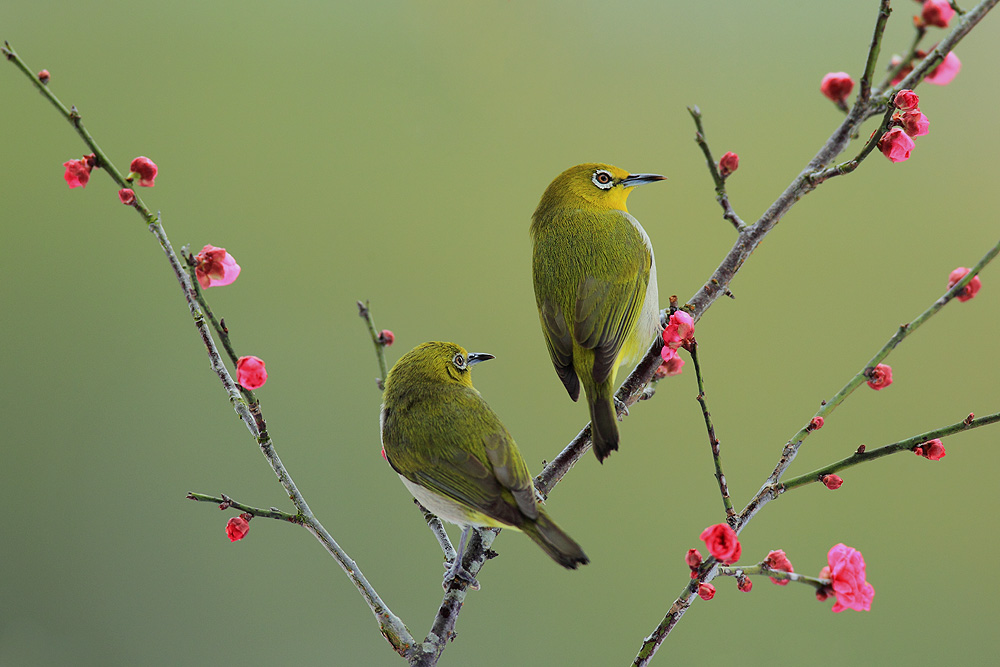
{"x":595,"y":286}
{"x":455,"y":455}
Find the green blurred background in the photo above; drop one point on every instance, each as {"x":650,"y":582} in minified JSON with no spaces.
{"x":395,"y":152}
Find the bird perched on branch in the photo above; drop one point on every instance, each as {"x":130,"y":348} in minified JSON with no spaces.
{"x":456,"y":457}
{"x":595,"y":286}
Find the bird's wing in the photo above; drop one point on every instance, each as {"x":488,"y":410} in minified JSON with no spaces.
{"x":559,"y":341}
{"x":618,"y":285}
{"x":475,"y":471}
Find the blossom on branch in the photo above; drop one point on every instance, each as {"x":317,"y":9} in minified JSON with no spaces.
{"x":937,"y":13}
{"x":837,"y":86}
{"x":744,"y":584}
{"x":250,"y":372}
{"x":946,"y":71}
{"x":906,"y":99}
{"x":145,"y":169}
{"x":896,"y":144}
{"x":44,"y":76}
{"x":679,"y":331}
{"x":78,"y":171}
{"x":831,"y":481}
{"x":386,"y":337}
{"x":914,"y":122}
{"x":971,"y":289}
{"x":722,"y":543}
{"x":671,"y":366}
{"x":880,"y":377}
{"x":126,"y":196}
{"x":816,"y":423}
{"x":729,"y":163}
{"x":214,"y":267}
{"x":846,"y":572}
{"x":693,"y":560}
{"x":706,"y":591}
{"x":237,"y":527}
{"x":932,"y":450}
{"x":777,"y":560}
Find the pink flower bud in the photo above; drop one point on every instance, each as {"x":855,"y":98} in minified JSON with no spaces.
{"x":937,"y":13}
{"x":44,"y":76}
{"x":914,"y":122}
{"x":832,"y":482}
{"x":145,"y":169}
{"x":214,"y":267}
{"x":386,"y":337}
{"x":127,"y":196}
{"x":722,"y":543}
{"x":777,"y":560}
{"x":237,"y":527}
{"x":880,"y":377}
{"x":896,"y":145}
{"x":906,"y":99}
{"x":78,"y":171}
{"x":693,"y":559}
{"x":729,"y":163}
{"x":706,"y":591}
{"x":250,"y":372}
{"x":837,"y":86}
{"x":744,"y":584}
{"x":971,"y":289}
{"x":931,"y":450}
{"x":816,"y":424}
{"x":946,"y":71}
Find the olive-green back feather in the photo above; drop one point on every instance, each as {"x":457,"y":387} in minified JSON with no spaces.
{"x":591,"y":269}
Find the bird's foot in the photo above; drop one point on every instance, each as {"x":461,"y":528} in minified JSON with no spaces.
{"x":454,"y":570}
{"x":621,"y":409}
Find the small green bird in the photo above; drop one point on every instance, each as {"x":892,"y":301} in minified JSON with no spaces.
{"x":595,"y":286}
{"x":455,"y":455}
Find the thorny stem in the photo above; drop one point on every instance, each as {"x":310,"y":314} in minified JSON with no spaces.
{"x":390,"y":625}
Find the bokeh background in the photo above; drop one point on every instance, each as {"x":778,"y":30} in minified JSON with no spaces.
{"x":394,"y":152}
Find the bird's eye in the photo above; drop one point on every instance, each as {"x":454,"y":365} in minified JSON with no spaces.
{"x":459,"y":361}
{"x":603,"y":179}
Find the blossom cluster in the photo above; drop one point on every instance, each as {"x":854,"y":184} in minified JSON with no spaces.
{"x":907,"y":122}
{"x":842,"y":578}
{"x":678,"y":333}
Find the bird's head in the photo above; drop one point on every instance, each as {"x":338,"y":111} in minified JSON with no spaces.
{"x":435,"y":362}
{"x":593,"y":186}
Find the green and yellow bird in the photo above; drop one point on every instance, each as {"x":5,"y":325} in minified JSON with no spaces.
{"x":456,"y":457}
{"x":595,"y":286}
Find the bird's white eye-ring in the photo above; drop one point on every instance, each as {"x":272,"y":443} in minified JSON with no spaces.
{"x":603,"y":179}
{"x":459,"y":362}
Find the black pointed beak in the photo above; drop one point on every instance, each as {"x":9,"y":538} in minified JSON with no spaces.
{"x":476,"y":357}
{"x":641,"y":179}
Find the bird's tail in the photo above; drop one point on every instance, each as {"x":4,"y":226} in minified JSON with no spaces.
{"x":553,"y":541}
{"x":603,"y":427}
